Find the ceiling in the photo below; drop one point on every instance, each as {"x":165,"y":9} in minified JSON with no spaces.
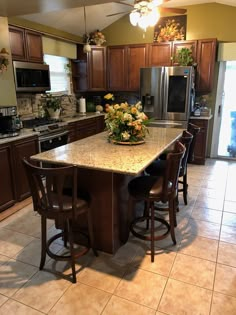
{"x":68,"y":15}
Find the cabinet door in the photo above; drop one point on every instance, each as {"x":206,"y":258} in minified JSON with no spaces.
{"x":7,"y":190}
{"x":17,"y":43}
{"x":201,"y":141}
{"x":34,"y":46}
{"x":79,"y":75}
{"x":100,"y":123}
{"x":23,"y":148}
{"x":160,"y":54}
{"x":206,"y":58}
{"x":117,"y":68}
{"x":86,"y":128}
{"x":190,"y":44}
{"x":97,"y":68}
{"x":137,"y":58}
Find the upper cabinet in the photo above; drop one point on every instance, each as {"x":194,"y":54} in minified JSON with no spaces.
{"x":206,"y":58}
{"x":162,"y":54}
{"x":89,"y":70}
{"x":123,"y":66}
{"x":25,"y":45}
{"x":117,"y":68}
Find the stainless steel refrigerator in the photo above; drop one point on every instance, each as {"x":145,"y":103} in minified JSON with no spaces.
{"x":167,"y":93}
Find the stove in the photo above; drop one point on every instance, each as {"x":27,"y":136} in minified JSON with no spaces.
{"x":52,"y":133}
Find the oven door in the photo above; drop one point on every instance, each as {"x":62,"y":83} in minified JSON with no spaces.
{"x":52,"y":141}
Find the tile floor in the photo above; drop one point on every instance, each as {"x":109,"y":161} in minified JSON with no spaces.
{"x":197,"y":276}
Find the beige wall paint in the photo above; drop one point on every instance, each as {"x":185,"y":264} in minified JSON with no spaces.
{"x":44,"y":29}
{"x":203,"y":21}
{"x":7,"y":85}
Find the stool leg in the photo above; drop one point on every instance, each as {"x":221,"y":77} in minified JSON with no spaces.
{"x":185,"y":189}
{"x":146,"y":213}
{"x":172,"y":219}
{"x":90,"y":228}
{"x":152,"y":232}
{"x":72,"y":253}
{"x":43,"y":241}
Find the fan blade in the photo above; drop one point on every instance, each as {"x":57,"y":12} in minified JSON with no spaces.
{"x":172,"y":10}
{"x":117,"y":13}
{"x":130,"y":5}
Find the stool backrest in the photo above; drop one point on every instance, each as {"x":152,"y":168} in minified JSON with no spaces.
{"x":186,"y":140}
{"x":47,"y":185}
{"x":173,"y":161}
{"x":194,"y":130}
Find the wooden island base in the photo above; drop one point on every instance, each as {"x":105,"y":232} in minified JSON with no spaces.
{"x":109,"y":206}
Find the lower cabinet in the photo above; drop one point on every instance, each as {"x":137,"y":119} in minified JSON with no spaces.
{"x":13,"y":184}
{"x":85,"y":128}
{"x":21,"y":149}
{"x":201,"y":141}
{"x":7,"y":187}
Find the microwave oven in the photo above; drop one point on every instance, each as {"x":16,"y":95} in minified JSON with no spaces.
{"x":31,"y":77}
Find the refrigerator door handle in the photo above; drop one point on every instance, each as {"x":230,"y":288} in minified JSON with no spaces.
{"x":165,"y":94}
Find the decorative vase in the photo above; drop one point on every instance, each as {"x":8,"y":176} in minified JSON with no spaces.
{"x":54,"y":114}
{"x":98,"y":41}
{"x":127,"y":142}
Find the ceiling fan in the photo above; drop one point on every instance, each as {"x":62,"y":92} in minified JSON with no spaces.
{"x":142,"y":6}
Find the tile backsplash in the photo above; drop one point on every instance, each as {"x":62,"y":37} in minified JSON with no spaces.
{"x":28,"y":105}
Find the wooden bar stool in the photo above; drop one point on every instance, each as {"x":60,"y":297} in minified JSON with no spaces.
{"x":152,"y":189}
{"x":49,"y":200}
{"x":157,"y":168}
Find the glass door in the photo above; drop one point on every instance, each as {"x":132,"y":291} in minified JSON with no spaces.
{"x":225,"y":122}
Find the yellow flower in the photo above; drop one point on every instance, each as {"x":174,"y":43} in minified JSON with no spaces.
{"x":109,"y":96}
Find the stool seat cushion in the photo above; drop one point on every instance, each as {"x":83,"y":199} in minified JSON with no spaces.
{"x":144,"y":187}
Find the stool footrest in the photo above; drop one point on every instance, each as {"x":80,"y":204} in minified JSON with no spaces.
{"x":63,"y":257}
{"x":147,"y":237}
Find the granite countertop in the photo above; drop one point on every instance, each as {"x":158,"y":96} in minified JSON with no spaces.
{"x":25,"y":132}
{"x":202,"y":117}
{"x":79,"y":116}
{"x":97,"y":153}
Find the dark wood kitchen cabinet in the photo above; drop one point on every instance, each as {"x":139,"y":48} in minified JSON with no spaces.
{"x":23,"y":148}
{"x":13,"y":184}
{"x":7,"y":188}
{"x":85,"y":128}
{"x":123,"y":66}
{"x":25,"y":45}
{"x":162,"y":54}
{"x":206,"y":59}
{"x":89,"y":70}
{"x":201,"y":141}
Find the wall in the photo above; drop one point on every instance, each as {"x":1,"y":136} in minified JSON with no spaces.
{"x":203,"y":21}
{"x":7,"y":85}
{"x":44,"y":29}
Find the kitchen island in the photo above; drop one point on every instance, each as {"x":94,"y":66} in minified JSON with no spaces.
{"x":104,"y":169}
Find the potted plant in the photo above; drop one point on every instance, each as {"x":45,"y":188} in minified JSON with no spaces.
{"x":184,"y":57}
{"x":52,"y":105}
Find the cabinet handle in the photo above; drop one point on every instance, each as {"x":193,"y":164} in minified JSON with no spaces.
{"x":219,"y":110}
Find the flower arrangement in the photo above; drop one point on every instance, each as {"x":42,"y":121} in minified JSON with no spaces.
{"x":97,"y":37}
{"x":4,"y":61}
{"x":126,"y":123}
{"x":171,"y":31}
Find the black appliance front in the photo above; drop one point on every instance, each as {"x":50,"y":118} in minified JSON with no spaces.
{"x":31,"y":77}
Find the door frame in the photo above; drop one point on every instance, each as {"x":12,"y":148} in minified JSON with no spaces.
{"x":218,"y":110}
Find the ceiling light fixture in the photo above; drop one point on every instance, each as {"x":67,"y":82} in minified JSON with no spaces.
{"x":145,"y":13}
{"x":87,"y":47}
